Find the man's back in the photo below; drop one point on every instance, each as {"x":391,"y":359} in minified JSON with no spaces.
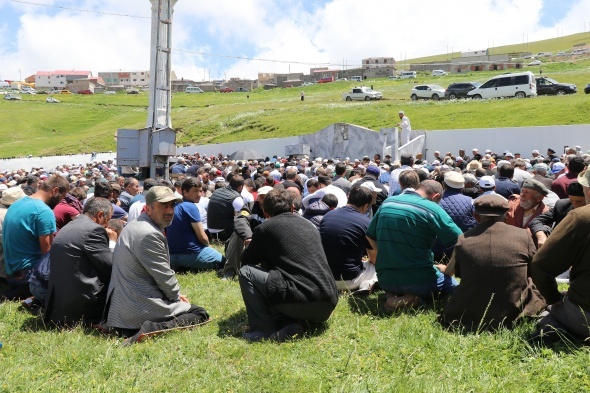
{"x":568,"y":245}
{"x":81,"y":263}
{"x":459,"y":207}
{"x":343,"y":238}
{"x":492,"y":261}
{"x":221,"y":212}
{"x":290,"y":248}
{"x":405,"y":228}
{"x":24,"y":223}
{"x":506,"y":187}
{"x":342,"y":183}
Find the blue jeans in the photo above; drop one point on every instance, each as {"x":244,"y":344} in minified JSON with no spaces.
{"x":207,"y":259}
{"x":38,"y":291}
{"x":443,"y":285}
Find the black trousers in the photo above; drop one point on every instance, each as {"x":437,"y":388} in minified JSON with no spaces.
{"x":193,"y":316}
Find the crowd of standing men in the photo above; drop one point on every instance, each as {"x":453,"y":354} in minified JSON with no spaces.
{"x":86,"y":246}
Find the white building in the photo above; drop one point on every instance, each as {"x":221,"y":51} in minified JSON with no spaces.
{"x":58,"y":79}
{"x":125,"y":78}
{"x":378,"y":62}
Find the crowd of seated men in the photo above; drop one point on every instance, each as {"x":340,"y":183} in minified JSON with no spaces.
{"x":492,"y":234}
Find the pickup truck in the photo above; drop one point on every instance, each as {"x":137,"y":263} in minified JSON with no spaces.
{"x":362,"y":93}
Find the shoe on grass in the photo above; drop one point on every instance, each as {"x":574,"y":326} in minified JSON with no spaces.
{"x":289,"y":332}
{"x":255,"y":336}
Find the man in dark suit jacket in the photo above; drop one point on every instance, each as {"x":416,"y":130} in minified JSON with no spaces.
{"x":81,"y":262}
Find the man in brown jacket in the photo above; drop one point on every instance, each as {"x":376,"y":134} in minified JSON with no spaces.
{"x":567,"y":246}
{"x":493,"y":261}
{"x":528,"y":205}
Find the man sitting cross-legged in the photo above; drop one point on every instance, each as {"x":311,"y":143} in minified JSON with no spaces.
{"x":567,"y":246}
{"x":343,"y":237}
{"x":188,"y":242}
{"x":293,"y":283}
{"x":403,"y":232}
{"x":144,"y":295}
{"x":493,"y":261}
{"x":81,"y":261}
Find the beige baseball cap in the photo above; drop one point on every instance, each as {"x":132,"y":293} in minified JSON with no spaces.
{"x":161,"y":194}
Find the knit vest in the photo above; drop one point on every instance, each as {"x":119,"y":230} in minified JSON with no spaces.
{"x":220,"y":213}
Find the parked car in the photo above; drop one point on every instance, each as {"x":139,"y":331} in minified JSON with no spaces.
{"x":438,"y":73}
{"x":580,"y":51}
{"x":110,"y":92}
{"x":65,"y":92}
{"x":85,"y":91}
{"x":460,"y":90}
{"x":132,"y":91}
{"x":356,"y":78}
{"x":327,"y":79}
{"x":535,"y":63}
{"x":362,"y":93}
{"x":307,"y":84}
{"x":52,"y":100}
{"x":226,"y":90}
{"x":194,"y":90}
{"x":544,"y":54}
{"x":242,"y":89}
{"x":407,"y":75}
{"x":517,"y":85}
{"x":393,"y":76}
{"x":426,"y":92}
{"x":547,"y":86}
{"x":561,"y":54}
{"x":269,"y":86}
{"x":29,"y":91}
{"x":12,"y":97}
{"x":587,"y":89}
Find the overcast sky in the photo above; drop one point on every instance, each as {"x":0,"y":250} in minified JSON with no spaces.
{"x":296,"y":34}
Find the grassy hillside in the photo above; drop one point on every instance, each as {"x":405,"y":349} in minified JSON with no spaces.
{"x":565,"y":43}
{"x":88,"y":123}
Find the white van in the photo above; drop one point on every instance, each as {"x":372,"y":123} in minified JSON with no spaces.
{"x":407,"y":74}
{"x":193,"y":89}
{"x":356,"y":78}
{"x":438,"y":73}
{"x":518,"y":85}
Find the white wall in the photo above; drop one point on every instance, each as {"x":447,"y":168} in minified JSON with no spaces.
{"x":521,"y":140}
{"x":515,"y":139}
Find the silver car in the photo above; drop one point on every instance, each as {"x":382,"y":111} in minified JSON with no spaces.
{"x":427,"y":92}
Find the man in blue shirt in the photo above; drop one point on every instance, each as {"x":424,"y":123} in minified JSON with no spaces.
{"x":403,"y":232}
{"x":187,"y":240}
{"x":27,"y":234}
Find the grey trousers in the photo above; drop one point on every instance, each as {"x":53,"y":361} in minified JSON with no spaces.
{"x":268,"y":319}
{"x":233,"y":253}
{"x":567,"y":316}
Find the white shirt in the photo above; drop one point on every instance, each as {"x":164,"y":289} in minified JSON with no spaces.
{"x":319,"y":194}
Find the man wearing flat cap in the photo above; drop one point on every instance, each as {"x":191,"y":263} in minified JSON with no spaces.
{"x":493,"y":261}
{"x":568,"y":246}
{"x":528,"y":205}
{"x":144,"y":295}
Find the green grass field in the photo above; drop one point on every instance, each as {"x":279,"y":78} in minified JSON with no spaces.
{"x":554,"y":45}
{"x":82,"y":123}
{"x":361,"y":349}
